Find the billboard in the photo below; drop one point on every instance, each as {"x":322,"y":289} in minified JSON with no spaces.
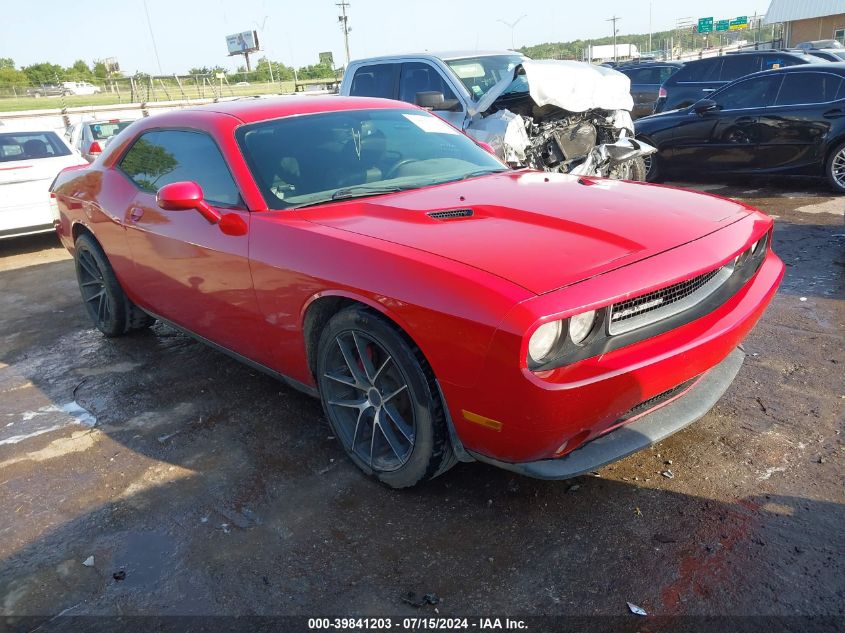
{"x":241,"y":43}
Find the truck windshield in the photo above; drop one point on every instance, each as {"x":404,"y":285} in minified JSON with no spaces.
{"x":313,"y":159}
{"x":479,"y":74}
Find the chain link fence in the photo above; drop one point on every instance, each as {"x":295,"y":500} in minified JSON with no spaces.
{"x":149,"y":89}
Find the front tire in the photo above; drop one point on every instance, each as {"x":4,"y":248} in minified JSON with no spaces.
{"x":107,"y":305}
{"x":381,"y":400}
{"x":653,"y":172}
{"x":835,"y":169}
{"x":633,"y":169}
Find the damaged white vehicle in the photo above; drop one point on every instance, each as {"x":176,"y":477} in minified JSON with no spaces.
{"x":562,"y":116}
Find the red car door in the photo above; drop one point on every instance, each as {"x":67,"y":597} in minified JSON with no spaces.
{"x":186,"y":269}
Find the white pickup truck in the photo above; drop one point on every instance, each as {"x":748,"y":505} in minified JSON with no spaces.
{"x":561,"y":116}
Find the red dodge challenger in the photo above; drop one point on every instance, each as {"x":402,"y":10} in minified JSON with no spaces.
{"x":442,"y":306}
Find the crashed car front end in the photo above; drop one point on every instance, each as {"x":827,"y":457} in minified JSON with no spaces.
{"x":565,"y":117}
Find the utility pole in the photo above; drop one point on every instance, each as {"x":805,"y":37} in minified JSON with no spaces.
{"x":614,"y":19}
{"x":344,"y":26}
{"x":649,"y":26}
{"x":757,"y":21}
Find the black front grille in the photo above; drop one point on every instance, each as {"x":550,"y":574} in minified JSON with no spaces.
{"x":659,"y":298}
{"x":660,"y":398}
{"x":451,"y":214}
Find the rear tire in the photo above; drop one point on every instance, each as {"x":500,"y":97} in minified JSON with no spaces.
{"x":835,"y":169}
{"x":381,"y":400}
{"x":107,"y":305}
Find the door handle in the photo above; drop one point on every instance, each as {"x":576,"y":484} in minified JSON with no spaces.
{"x":835,"y":113}
{"x":136,"y":214}
{"x":708,"y":90}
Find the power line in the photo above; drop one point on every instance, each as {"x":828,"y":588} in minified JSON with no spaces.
{"x":152,"y":37}
{"x":344,"y":26}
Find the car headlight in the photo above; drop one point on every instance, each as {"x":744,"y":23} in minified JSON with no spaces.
{"x":543,"y":341}
{"x":580,"y":326}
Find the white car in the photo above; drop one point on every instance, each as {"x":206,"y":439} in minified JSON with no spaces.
{"x":29,"y":161}
{"x":80,"y":88}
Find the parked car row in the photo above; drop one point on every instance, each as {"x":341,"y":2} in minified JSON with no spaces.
{"x":698,"y":78}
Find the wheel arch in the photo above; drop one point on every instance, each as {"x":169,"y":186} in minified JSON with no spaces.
{"x":80,"y":228}
{"x":321,"y":307}
{"x":832,"y":147}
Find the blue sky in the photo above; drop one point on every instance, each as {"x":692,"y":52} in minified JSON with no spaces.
{"x":192,"y":32}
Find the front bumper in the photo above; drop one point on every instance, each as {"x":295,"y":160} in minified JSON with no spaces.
{"x":650,"y":428}
{"x":518,"y":416}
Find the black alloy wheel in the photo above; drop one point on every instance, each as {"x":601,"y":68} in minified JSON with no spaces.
{"x":107,"y":305}
{"x":381,"y":400}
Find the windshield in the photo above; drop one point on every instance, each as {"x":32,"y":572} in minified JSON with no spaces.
{"x":479,"y":74}
{"x":317,"y":158}
{"x":30,"y":145}
{"x":101,"y":131}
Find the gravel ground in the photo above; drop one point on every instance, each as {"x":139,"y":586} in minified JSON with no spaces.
{"x":152,"y":475}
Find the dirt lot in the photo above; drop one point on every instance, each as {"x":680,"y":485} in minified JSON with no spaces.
{"x":219,"y":491}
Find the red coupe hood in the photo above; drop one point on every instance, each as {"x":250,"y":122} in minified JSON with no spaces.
{"x":540,"y":231}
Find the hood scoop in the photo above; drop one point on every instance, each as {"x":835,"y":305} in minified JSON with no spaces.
{"x":451,"y":214}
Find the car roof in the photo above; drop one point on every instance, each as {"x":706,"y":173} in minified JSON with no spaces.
{"x":651,"y":62}
{"x":254,"y":109}
{"x":773,"y":51}
{"x":27,"y":130}
{"x":444,"y":55}
{"x":838,"y":68}
{"x":827,"y":66}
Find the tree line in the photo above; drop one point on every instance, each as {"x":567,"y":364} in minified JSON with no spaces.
{"x":686,"y":39}
{"x":47,"y":73}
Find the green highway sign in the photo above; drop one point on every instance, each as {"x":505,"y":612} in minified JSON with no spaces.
{"x":705,"y":25}
{"x":723,"y":25}
{"x":739,"y":23}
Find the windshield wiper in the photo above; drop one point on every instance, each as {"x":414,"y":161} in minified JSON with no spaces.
{"x":477,"y":173}
{"x":363,"y":190}
{"x":347,"y":193}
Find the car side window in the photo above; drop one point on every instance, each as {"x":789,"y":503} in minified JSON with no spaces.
{"x":736,"y":66}
{"x":160,"y":157}
{"x":774,"y":61}
{"x":421,"y":77}
{"x":650,"y":75}
{"x":808,"y":88}
{"x":705,"y":70}
{"x":376,"y":80}
{"x":666,"y":72}
{"x":636,"y":75}
{"x":758,"y":92}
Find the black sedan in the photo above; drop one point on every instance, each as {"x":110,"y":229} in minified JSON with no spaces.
{"x":785,"y":121}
